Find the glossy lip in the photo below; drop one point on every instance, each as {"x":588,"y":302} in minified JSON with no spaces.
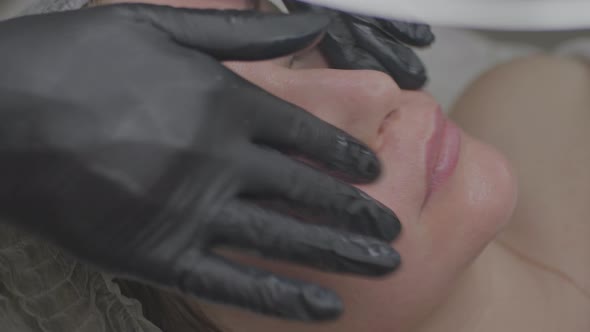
{"x":442,"y":153}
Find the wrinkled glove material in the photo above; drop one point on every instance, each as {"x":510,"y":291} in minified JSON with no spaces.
{"x":359,"y":42}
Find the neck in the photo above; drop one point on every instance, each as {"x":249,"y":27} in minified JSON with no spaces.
{"x":470,"y":303}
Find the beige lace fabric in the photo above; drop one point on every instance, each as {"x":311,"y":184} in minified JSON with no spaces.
{"x":44,"y":290}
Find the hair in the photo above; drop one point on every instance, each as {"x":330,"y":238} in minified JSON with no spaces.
{"x":168,"y":311}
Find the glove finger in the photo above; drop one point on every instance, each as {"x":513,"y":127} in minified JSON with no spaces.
{"x":285,"y":126}
{"x":401,"y":62}
{"x":355,"y":42}
{"x":347,"y":56}
{"x":272,"y":235}
{"x":343,"y":51}
{"x":413,"y":34}
{"x":232,"y":35}
{"x":217,"y":279}
{"x":338,"y":204}
{"x":386,"y":56}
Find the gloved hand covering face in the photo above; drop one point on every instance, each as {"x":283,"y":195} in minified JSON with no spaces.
{"x":124,"y":140}
{"x":359,"y":42}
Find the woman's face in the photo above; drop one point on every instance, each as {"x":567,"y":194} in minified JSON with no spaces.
{"x":452,"y":193}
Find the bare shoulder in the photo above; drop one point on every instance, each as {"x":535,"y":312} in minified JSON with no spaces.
{"x":536,"y":110}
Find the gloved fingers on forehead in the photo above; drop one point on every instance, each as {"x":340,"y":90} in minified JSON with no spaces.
{"x":399,"y":61}
{"x":375,"y":52}
{"x":358,"y":42}
{"x":343,"y":51}
{"x":286,"y":127}
{"x":346,"y":56}
{"x":244,"y":225}
{"x":413,"y":34}
{"x":327,"y":200}
{"x":217,"y":279}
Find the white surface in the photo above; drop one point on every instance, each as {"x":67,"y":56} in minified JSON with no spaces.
{"x":485,"y":14}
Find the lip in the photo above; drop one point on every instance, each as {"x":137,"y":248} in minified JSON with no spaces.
{"x":442,"y":153}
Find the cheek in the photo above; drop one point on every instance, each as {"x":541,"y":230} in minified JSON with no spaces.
{"x":466,"y":215}
{"x":437,"y":246}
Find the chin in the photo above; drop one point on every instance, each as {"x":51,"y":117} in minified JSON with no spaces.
{"x":463,"y":216}
{"x":474,"y":206}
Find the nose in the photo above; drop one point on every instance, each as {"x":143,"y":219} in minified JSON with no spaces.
{"x":356,"y":101}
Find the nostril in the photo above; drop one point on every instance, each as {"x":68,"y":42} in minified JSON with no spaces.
{"x":391,"y":117}
{"x":386,"y":120}
{"x":373,"y":97}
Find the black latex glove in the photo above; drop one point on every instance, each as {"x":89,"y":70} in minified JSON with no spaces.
{"x":359,"y":42}
{"x":124,"y":140}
